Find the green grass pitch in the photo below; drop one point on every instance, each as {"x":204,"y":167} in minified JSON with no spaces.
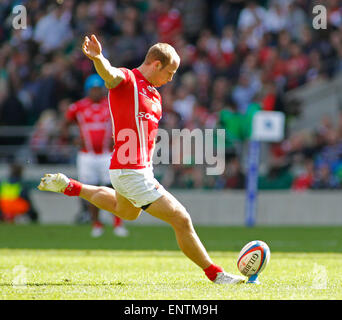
{"x":63,"y":262}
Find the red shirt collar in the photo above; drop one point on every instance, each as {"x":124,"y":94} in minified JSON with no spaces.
{"x":136,"y":71}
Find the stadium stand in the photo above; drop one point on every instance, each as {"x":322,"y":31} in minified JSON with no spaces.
{"x":234,"y":54}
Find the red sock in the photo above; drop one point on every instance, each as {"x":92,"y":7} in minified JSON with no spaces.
{"x":97,"y":224}
{"x":73,"y":189}
{"x":117,"y":222}
{"x":211,"y":271}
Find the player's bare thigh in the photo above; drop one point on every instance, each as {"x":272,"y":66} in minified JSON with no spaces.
{"x":110,"y":200}
{"x":125,"y":209}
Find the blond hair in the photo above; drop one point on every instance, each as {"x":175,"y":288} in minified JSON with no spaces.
{"x":163,"y":52}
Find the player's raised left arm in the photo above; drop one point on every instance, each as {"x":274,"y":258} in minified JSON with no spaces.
{"x":112,"y":76}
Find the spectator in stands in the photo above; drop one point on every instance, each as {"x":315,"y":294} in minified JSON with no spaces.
{"x":236,"y":178}
{"x":12,"y":111}
{"x":304,"y":180}
{"x":194,"y":18}
{"x":315,"y":71}
{"x":40,"y":139}
{"x":296,"y":19}
{"x":307,"y":41}
{"x":228,"y":43}
{"x":45,"y":91}
{"x":169,"y":22}
{"x":325,"y":128}
{"x":331,"y":154}
{"x":323,"y":178}
{"x":14,"y":197}
{"x":283,"y":44}
{"x":252,"y":17}
{"x":184,"y":103}
{"x":252,"y":22}
{"x":245,"y":91}
{"x":269,"y":96}
{"x":225,"y":13}
{"x":53,"y":30}
{"x":276,"y":17}
{"x":130,"y":47}
{"x":334,"y":13}
{"x":277,"y":178}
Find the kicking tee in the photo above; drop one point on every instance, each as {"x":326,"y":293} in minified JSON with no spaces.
{"x":135,"y":108}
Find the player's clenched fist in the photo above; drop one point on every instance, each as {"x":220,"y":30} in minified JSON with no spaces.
{"x":91,"y":47}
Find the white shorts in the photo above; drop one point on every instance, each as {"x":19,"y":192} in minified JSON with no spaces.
{"x":93,"y":168}
{"x":137,"y":185}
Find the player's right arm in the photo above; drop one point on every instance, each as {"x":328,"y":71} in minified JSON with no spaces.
{"x":93,"y":50}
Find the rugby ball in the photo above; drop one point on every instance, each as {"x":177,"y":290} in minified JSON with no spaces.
{"x":253,"y":258}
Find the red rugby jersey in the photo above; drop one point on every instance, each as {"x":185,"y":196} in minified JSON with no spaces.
{"x":93,"y":119}
{"x":135,"y":107}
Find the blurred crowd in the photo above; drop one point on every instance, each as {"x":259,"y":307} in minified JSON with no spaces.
{"x":233,"y":53}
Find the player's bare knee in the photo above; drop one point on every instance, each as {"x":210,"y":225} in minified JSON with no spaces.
{"x":127,"y":215}
{"x":182,"y":220}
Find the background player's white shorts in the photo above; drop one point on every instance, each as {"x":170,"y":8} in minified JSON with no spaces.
{"x":93,"y":168}
{"x":137,"y":185}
